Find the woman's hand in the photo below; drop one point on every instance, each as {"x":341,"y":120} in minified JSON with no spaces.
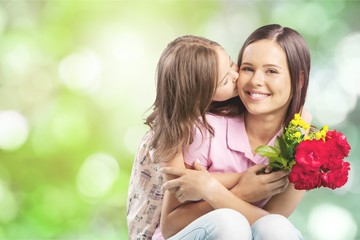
{"x":254,"y":185}
{"x":190,"y":185}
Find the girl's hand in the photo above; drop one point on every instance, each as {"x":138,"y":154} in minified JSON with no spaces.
{"x":191,"y":185}
{"x":254,"y":186}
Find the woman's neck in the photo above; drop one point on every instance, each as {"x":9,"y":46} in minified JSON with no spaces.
{"x":261,"y":129}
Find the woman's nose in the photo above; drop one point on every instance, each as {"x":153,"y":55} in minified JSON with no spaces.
{"x":257,"y":78}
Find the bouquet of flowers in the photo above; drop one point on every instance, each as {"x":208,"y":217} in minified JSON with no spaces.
{"x":314,"y":157}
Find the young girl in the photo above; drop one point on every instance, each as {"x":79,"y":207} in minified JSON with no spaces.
{"x":274,"y":73}
{"x":192,"y":71}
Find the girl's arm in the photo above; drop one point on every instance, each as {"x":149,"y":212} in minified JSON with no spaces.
{"x":250,"y":186}
{"x":201,"y":185}
{"x":229,"y":180}
{"x":173,"y":217}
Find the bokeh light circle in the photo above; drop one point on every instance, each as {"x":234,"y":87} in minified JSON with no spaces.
{"x":14,"y":130}
{"x":348,"y":63}
{"x":97,"y":175}
{"x":8,"y":205}
{"x":81,"y":71}
{"x":331,"y":222}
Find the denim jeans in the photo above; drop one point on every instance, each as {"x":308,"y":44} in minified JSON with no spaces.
{"x":224,"y":224}
{"x":274,"y":227}
{"x":218,"y":224}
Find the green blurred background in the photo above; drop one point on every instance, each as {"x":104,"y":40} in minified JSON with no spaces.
{"x":76,"y":80}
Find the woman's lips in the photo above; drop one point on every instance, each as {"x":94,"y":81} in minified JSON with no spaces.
{"x":258,"y":95}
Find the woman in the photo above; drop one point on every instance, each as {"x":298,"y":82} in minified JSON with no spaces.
{"x":192,"y":72}
{"x":274,"y":73}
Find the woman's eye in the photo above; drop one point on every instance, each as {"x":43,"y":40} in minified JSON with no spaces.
{"x":272,"y":71}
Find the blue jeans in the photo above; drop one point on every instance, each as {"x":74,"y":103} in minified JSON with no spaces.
{"x":218,"y":224}
{"x":229,"y":224}
{"x":274,"y":227}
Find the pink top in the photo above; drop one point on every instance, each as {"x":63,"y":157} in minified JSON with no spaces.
{"x":228,"y":150}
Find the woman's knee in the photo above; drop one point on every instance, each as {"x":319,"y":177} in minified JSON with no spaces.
{"x":274,"y":226}
{"x":229,"y":223}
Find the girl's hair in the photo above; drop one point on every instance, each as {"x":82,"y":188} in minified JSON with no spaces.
{"x":298,"y":60}
{"x":187,"y":74}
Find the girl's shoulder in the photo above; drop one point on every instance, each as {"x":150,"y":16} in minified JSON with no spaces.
{"x":217,"y":119}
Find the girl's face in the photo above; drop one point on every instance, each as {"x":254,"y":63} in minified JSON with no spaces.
{"x":264,"y":83}
{"x":226,"y":84}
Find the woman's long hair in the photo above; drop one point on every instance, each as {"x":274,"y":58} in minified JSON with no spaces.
{"x":298,"y":60}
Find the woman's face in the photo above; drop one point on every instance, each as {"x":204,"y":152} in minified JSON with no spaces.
{"x":264,"y":83}
{"x":226,"y":84}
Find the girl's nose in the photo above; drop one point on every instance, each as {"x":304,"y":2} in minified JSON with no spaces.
{"x":235,"y":76}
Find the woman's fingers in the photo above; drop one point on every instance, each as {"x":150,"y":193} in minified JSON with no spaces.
{"x":280,"y":184}
{"x":171,"y":184}
{"x":197,"y":166}
{"x":258,"y":168}
{"x":281,"y":188}
{"x":275,"y":176}
{"x":178,"y":194}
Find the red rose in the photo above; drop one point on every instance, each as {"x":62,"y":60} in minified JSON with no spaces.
{"x":304,"y":179}
{"x":331,"y":162}
{"x":336,"y":178}
{"x":310,"y":154}
{"x":320,"y":163}
{"x":337,"y":144}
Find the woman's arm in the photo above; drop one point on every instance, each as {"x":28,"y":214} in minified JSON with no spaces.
{"x":176,"y":216}
{"x":199,"y":184}
{"x":254,"y":186}
{"x":251,"y":186}
{"x":285,"y":202}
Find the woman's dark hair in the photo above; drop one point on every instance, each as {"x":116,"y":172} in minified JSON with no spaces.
{"x":298,"y":60}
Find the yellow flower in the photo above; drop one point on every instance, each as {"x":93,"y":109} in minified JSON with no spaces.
{"x":306,"y":137}
{"x":325,"y":127}
{"x":297,"y":134}
{"x":295,"y":122}
{"x":301,"y":123}
{"x":318,"y":135}
{"x":323,"y":133}
{"x":297,"y":116}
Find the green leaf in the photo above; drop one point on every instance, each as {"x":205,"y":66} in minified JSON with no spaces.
{"x":286,"y":149}
{"x":277,"y":144}
{"x":267,"y":151}
{"x":284,"y":162}
{"x":291,"y":164}
{"x":275,"y":166}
